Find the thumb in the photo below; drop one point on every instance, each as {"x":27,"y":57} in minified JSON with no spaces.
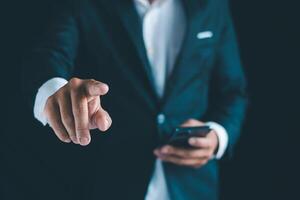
{"x":102,"y":120}
{"x":192,"y":122}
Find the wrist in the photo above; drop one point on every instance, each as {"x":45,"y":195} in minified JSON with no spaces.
{"x":222,"y":138}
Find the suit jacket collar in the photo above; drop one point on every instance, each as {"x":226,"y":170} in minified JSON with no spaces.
{"x":133,"y":25}
{"x":191,"y":8}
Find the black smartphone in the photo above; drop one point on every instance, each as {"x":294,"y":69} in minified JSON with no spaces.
{"x":181,"y":135}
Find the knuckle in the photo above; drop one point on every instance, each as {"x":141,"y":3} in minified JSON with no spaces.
{"x":74,"y":82}
{"x":77,"y":114}
{"x":59,"y":94}
{"x":47,"y":108}
{"x":91,"y":81}
{"x":56,"y":123}
{"x":49,"y":104}
{"x":78,"y":92}
{"x":51,"y":100}
{"x":79,"y":109}
{"x":81,"y":130}
{"x":68,"y":121}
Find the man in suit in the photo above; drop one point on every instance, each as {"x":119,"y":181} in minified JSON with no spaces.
{"x":149,"y":66}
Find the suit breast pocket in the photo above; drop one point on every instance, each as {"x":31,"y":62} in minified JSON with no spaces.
{"x":205,"y":37}
{"x":203,"y":42}
{"x":203,"y":54}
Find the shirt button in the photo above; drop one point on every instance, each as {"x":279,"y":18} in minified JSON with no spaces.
{"x":161,"y":118}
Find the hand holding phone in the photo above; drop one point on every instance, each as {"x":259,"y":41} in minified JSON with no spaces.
{"x":182,"y":151}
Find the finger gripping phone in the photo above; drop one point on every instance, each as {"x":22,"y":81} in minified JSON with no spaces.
{"x":181,"y":135}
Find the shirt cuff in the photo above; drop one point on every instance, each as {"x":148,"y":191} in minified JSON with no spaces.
{"x":44,"y":92}
{"x":222,"y":137}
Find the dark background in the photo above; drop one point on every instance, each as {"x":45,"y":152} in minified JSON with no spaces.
{"x":265,"y":164}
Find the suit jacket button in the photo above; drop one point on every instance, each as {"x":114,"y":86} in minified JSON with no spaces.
{"x":161,"y":118}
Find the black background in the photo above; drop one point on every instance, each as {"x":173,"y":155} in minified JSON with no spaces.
{"x":265,"y":164}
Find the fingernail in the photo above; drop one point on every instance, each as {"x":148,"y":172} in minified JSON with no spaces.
{"x":67,"y":140}
{"x":74,"y":139}
{"x":106,"y":88}
{"x":193,"y":141}
{"x":102,"y":87}
{"x":84,"y":141}
{"x":106,"y":123}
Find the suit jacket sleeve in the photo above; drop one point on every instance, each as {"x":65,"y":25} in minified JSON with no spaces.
{"x":228,"y":99}
{"x":55,"y":53}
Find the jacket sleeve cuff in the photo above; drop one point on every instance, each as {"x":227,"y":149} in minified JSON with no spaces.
{"x":44,"y":92}
{"x":222,"y":137}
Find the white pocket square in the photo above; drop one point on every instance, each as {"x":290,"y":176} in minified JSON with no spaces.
{"x":205,"y":35}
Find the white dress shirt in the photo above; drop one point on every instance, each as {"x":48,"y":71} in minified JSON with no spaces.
{"x":164,"y":25}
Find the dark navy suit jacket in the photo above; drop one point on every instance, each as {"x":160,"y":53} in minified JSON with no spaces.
{"x":102,"y":39}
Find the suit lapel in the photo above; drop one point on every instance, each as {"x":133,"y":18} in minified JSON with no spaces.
{"x":131,"y":21}
{"x":191,"y":8}
{"x":133,"y":25}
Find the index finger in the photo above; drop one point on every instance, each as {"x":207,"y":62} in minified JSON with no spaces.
{"x":95,"y":88}
{"x":80,"y":112}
